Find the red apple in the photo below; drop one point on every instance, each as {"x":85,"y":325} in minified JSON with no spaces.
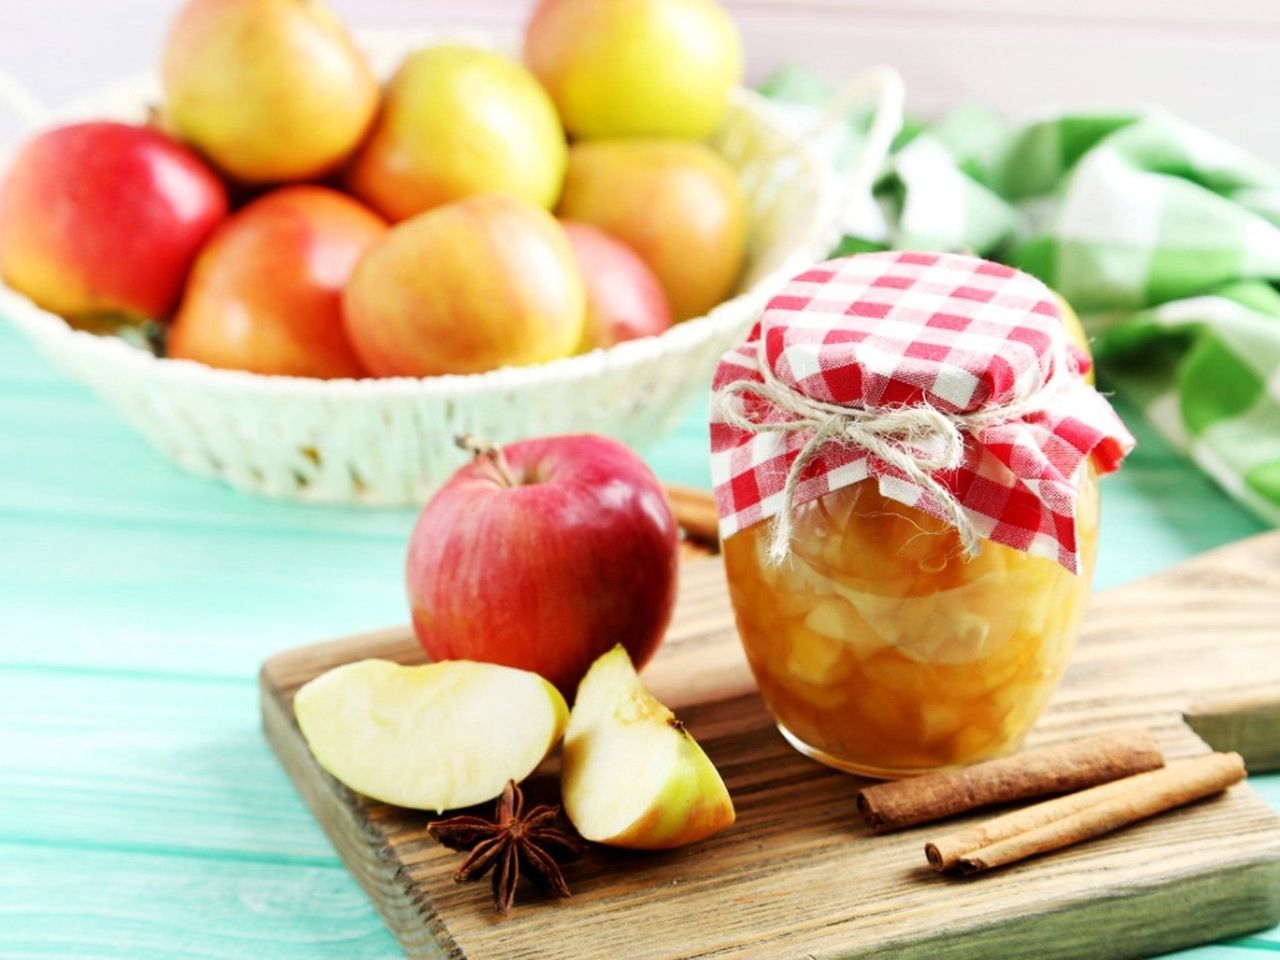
{"x":543,"y":555}
{"x":624,"y":298}
{"x":265,"y":294}
{"x":104,"y":219}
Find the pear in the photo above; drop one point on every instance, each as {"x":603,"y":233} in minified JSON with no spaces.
{"x":631,"y":774}
{"x":269,"y":90}
{"x":434,"y":737}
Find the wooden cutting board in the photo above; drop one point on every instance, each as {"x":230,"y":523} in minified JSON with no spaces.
{"x":800,"y":876}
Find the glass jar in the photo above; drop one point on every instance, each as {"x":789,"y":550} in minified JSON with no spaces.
{"x":881,"y":649}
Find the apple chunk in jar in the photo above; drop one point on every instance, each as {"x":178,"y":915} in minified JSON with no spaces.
{"x":877,"y":639}
{"x":915,"y":612}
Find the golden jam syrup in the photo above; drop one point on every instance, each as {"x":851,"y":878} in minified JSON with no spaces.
{"x":881,"y":649}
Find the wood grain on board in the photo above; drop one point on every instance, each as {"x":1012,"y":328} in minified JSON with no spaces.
{"x":800,"y":876}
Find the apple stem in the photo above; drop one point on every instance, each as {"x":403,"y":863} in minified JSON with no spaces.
{"x":487,"y":448}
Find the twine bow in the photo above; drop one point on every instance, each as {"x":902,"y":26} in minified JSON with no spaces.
{"x":918,"y":440}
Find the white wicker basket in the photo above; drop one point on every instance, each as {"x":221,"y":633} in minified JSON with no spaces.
{"x":390,"y":441}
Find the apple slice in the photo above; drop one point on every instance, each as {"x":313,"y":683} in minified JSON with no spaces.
{"x":631,"y":775}
{"x":434,"y":737}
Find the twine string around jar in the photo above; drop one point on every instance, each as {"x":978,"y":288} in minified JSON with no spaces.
{"x":917,"y":440}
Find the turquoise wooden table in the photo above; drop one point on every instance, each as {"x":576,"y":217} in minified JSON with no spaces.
{"x":141,"y":814}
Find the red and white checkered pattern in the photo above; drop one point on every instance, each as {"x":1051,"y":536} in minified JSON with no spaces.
{"x":890,"y":330}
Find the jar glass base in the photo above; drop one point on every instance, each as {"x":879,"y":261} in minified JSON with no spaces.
{"x":865,"y":769}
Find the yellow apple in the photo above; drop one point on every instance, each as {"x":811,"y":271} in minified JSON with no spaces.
{"x":456,"y":122}
{"x":627,"y":68}
{"x":432,"y":737}
{"x":631,"y":774}
{"x":482,"y":283}
{"x":678,"y":205}
{"x":269,"y":90}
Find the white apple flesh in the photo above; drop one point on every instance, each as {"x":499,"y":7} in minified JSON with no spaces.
{"x":631,"y":774}
{"x":434,"y":737}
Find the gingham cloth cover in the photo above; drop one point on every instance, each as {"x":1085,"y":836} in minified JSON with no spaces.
{"x":892,"y":330}
{"x":1163,"y":236}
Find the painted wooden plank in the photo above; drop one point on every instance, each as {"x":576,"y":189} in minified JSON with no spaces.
{"x":145,"y":764}
{"x":20,"y":366}
{"x":172,"y":601}
{"x":68,"y":903}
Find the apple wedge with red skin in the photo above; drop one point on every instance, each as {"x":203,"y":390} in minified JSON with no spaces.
{"x":543,"y":555}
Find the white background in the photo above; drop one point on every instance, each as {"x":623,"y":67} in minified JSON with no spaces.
{"x":1215,"y":61}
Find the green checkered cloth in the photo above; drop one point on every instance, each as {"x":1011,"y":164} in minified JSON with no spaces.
{"x":1164,"y":238}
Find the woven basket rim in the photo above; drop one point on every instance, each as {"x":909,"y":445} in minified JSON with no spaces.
{"x":134,"y":361}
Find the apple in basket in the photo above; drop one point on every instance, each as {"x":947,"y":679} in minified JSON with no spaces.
{"x":678,"y":205}
{"x":100,"y":221}
{"x":635,"y":68}
{"x":474,"y":285}
{"x":543,"y":555}
{"x":624,"y":298}
{"x":265,"y":294}
{"x":269,"y":90}
{"x":456,"y":122}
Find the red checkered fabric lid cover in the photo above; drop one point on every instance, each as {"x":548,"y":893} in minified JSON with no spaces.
{"x":884,"y":334}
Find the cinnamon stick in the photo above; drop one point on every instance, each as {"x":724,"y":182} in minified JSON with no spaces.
{"x":1081,"y":816}
{"x":696,"y":514}
{"x":1036,"y":773}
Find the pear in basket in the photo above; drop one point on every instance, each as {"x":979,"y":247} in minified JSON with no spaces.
{"x":459,"y":121}
{"x":628,"y":68}
{"x":677,"y":204}
{"x":475,"y":285}
{"x":269,"y":90}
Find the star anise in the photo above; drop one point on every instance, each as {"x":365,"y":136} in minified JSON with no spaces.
{"x":510,"y":839}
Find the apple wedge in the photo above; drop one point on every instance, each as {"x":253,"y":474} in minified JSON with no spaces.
{"x":433,"y":737}
{"x":631,"y":775}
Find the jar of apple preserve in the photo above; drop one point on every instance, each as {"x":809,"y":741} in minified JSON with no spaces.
{"x":906,"y":458}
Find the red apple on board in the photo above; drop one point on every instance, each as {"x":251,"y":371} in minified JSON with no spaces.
{"x":101,"y":221}
{"x":543,"y":555}
{"x":265,"y":294}
{"x":624,"y":298}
